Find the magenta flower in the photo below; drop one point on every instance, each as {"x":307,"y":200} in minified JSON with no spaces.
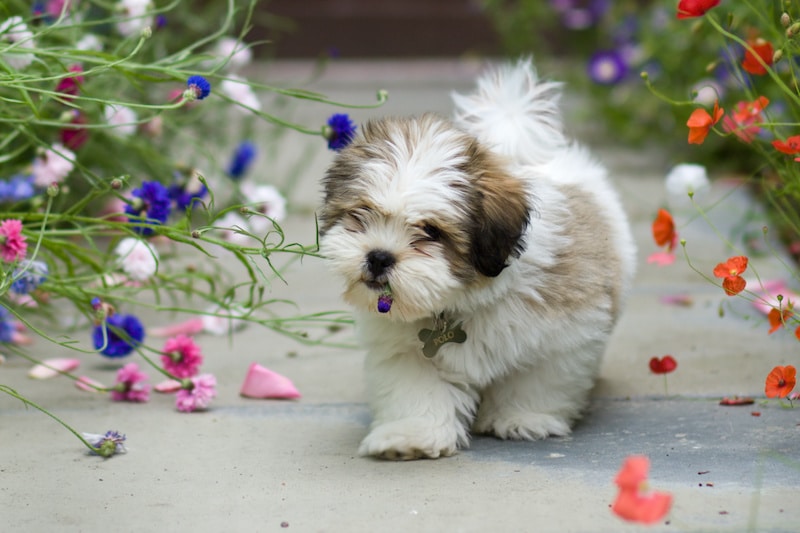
{"x":130,"y":385}
{"x":12,"y":242}
{"x":181,"y":356}
{"x":70,"y":86}
{"x":197,"y":393}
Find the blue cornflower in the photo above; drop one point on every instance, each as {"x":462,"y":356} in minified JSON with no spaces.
{"x":183,"y":197}
{"x":242,"y":158}
{"x":7,"y":325}
{"x":17,"y":189}
{"x":114,"y":344}
{"x":151,"y":205}
{"x":607,"y":67}
{"x":339,"y":132}
{"x":198,"y":86}
{"x":28,"y":276}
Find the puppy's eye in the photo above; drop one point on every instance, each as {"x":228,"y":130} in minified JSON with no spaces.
{"x":433,"y":233}
{"x":356,"y":218}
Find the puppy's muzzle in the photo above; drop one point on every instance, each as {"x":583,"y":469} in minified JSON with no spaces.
{"x":379,"y":262}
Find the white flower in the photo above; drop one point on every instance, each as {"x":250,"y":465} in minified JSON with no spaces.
{"x":90,"y":41}
{"x":137,"y":258}
{"x":135,"y":17}
{"x":53,"y":166}
{"x":240,"y":92}
{"x":708,"y":92}
{"x":16,"y":33}
{"x":223,"y":321}
{"x":122,"y":118}
{"x":231,"y":222}
{"x":684,"y":179}
{"x":234,"y":52}
{"x":266,"y":200}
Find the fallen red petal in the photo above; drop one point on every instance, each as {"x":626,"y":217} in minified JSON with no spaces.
{"x":737,"y":400}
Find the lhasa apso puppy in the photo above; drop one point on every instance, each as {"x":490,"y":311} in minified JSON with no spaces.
{"x":487,"y":258}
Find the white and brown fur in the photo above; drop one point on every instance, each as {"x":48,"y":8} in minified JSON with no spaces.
{"x":493,"y":220}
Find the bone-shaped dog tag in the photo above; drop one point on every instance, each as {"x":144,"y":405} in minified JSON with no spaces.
{"x":435,"y":339}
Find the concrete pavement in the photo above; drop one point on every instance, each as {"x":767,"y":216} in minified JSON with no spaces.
{"x":267,"y":465}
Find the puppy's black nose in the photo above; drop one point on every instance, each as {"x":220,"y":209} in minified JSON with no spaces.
{"x":379,"y":261}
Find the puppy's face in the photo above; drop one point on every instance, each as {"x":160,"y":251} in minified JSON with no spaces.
{"x":418,"y":208}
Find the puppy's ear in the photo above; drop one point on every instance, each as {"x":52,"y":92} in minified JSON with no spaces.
{"x":500,"y":214}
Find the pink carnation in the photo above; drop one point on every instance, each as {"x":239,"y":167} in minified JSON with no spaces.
{"x":198,"y":394}
{"x":181,"y":356}
{"x":12,"y":242}
{"x":130,"y":385}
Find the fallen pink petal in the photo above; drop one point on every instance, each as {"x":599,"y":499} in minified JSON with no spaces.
{"x":167,"y":387}
{"x":681,"y":300}
{"x":661,"y":258}
{"x":261,"y":382}
{"x":768,"y":296}
{"x":87,"y":384}
{"x":193,"y":326}
{"x":50,"y":368}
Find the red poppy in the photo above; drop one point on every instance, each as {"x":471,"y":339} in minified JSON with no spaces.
{"x":743,"y":120}
{"x":664,"y":229}
{"x":797,"y":333}
{"x":695,"y":8}
{"x":632,"y":503}
{"x":700,"y":123}
{"x":730,"y":270}
{"x":790,"y":146}
{"x":777,"y":318}
{"x":665,"y":365}
{"x":757,"y":48}
{"x":780,"y":382}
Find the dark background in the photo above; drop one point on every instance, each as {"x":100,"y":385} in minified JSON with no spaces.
{"x":377,"y":28}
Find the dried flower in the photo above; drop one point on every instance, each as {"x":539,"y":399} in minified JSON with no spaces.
{"x":106,"y":445}
{"x":181,"y":356}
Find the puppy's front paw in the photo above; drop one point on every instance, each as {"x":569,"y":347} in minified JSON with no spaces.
{"x":520,"y":425}
{"x":410,"y":438}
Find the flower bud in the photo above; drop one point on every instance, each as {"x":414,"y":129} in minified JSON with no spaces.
{"x":53,"y":190}
{"x":786,"y":20}
{"x":116,"y":184}
{"x":196,"y":234}
{"x":777,"y":56}
{"x":792,"y":30}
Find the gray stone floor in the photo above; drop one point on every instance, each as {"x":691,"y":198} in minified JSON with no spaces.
{"x":265,"y":465}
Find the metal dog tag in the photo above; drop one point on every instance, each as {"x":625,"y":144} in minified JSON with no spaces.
{"x":434,"y":339}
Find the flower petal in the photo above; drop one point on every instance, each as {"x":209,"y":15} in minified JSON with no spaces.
{"x":192,"y":326}
{"x":87,"y":384}
{"x":167,"y":387}
{"x":661,"y":258}
{"x":261,"y":382}
{"x":50,"y":368}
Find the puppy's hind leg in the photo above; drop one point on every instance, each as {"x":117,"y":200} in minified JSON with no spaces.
{"x":540,"y":401}
{"x":416,"y":414}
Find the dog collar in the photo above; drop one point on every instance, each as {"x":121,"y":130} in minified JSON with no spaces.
{"x":443,"y":331}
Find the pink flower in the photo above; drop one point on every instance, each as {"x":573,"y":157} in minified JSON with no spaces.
{"x":196,"y":393}
{"x":12,"y":242}
{"x":130,"y":386}
{"x":181,"y":356}
{"x":53,"y":166}
{"x":70,"y":85}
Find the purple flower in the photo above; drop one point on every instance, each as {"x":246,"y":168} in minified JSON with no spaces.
{"x":8,"y":325}
{"x":151,"y":205}
{"x":580,"y":14}
{"x":118,"y":335}
{"x":106,"y":445}
{"x":28,"y":276}
{"x":340,"y":131}
{"x":242,"y":159}
{"x":17,"y":189}
{"x":198,"y":86}
{"x":607,"y":67}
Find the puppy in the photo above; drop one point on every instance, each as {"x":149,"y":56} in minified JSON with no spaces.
{"x":487,"y":259}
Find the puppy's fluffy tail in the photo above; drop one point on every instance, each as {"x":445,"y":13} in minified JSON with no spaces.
{"x":514,"y":113}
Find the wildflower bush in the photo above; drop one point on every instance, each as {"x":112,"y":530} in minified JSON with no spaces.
{"x":115,"y":174}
